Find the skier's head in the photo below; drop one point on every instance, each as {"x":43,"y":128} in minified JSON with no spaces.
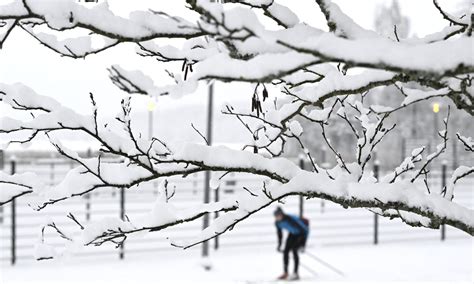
{"x":278,"y":213}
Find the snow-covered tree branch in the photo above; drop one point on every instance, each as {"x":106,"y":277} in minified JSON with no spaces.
{"x":323,"y":76}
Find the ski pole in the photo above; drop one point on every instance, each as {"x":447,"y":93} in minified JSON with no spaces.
{"x":325,"y":263}
{"x":309,"y":269}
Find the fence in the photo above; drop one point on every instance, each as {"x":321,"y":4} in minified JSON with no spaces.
{"x":330,"y":223}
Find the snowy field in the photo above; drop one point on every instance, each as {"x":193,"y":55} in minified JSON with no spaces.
{"x":449,"y":262}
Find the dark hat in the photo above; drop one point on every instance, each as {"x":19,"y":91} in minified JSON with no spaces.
{"x":278,"y":211}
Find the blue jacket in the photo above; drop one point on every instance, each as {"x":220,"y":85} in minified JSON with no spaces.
{"x":293,"y":224}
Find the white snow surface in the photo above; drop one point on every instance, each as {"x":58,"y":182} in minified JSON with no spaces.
{"x":419,"y":262}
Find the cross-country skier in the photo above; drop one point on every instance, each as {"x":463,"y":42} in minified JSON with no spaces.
{"x":297,"y":233}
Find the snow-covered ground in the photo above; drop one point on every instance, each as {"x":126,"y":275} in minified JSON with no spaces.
{"x":449,"y":262}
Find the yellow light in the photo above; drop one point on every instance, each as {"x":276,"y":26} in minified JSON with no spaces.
{"x":151,"y":105}
{"x":436,"y":107}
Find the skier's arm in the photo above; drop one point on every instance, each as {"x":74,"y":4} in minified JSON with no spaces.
{"x":279,"y":235}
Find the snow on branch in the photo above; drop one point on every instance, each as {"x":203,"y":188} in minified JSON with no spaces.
{"x":282,"y":15}
{"x":6,"y":28}
{"x":75,"y":46}
{"x":148,"y":160}
{"x":69,"y":14}
{"x":440,"y":148}
{"x":353,"y":194}
{"x":14,"y":186}
{"x":459,"y":173}
{"x":452,"y":19}
{"x":468,"y":142}
{"x":383,"y":54}
{"x":412,"y":96}
{"x":162,"y":215}
{"x":407,"y":165}
{"x":236,"y":38}
{"x":432,"y":210}
{"x":340,"y":23}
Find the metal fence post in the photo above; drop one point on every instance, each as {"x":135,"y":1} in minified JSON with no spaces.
{"x":51,"y":173}
{"x":455,"y":154}
{"x":87,"y":197}
{"x":2,"y":159}
{"x":404,"y":148}
{"x":205,"y":220}
{"x":216,"y":215}
{"x":207,"y":175}
{"x":13,"y":220}
{"x":2,"y":165}
{"x":301,"y":205}
{"x":376,"y":217}
{"x":324,"y":164}
{"x":122,"y":216}
{"x":443,"y":184}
